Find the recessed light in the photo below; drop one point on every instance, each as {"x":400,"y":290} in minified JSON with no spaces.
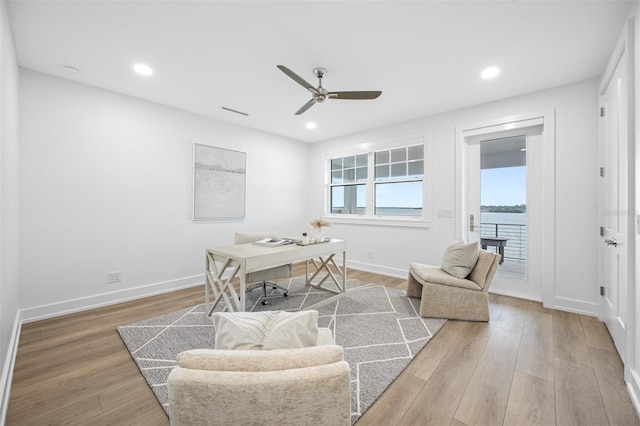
{"x":490,"y":72}
{"x":143,"y":69}
{"x":311,"y":125}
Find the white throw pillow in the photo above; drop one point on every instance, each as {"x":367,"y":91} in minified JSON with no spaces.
{"x":265,"y":330}
{"x":459,"y":259}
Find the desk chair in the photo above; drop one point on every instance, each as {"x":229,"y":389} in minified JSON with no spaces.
{"x":263,"y":277}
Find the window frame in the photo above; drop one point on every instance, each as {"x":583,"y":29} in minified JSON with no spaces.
{"x":369,"y":218}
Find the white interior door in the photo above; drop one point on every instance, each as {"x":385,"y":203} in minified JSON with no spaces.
{"x":614,"y":206}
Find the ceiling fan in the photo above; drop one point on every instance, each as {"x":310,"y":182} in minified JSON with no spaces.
{"x":320,"y":94}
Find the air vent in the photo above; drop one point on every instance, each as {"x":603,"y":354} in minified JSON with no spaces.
{"x":233,"y":110}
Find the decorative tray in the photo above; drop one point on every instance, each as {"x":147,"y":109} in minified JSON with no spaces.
{"x":326,"y":240}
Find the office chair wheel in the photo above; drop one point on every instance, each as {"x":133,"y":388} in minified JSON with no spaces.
{"x":286,"y":295}
{"x":264,"y":302}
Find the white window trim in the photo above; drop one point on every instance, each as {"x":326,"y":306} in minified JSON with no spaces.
{"x":393,"y":221}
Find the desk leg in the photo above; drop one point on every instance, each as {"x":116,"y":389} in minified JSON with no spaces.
{"x":339,"y":279}
{"x":219,"y":281}
{"x":306,"y":272}
{"x":344,"y":271}
{"x":243,"y":292}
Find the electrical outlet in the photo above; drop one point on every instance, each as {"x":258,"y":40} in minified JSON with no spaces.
{"x":369,"y":255}
{"x":114,"y":277}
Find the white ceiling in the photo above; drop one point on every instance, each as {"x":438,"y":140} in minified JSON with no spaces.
{"x":425,"y":56}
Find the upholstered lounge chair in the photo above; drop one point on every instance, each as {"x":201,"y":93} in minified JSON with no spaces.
{"x":445,"y":296}
{"x":309,"y":385}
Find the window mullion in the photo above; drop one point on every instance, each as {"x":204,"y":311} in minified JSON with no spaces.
{"x":371,"y":168}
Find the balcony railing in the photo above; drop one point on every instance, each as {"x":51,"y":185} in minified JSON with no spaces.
{"x":516,"y":247}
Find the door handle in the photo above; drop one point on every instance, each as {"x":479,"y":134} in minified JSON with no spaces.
{"x":471,"y":223}
{"x":611,"y":242}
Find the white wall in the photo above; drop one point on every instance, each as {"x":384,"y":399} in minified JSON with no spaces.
{"x":106,"y":184}
{"x":575,"y":189}
{"x":8,"y":203}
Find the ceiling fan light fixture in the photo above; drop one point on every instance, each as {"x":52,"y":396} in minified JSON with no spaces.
{"x":143,"y":69}
{"x":311,"y":125}
{"x":489,"y":73}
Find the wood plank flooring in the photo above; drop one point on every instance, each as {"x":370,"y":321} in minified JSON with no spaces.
{"x":528,"y":365}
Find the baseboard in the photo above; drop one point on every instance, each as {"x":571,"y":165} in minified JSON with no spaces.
{"x":517,"y":295}
{"x":633,"y":386}
{"x":7,"y":370}
{"x":85,"y":303}
{"x":382,"y":270}
{"x":575,"y":306}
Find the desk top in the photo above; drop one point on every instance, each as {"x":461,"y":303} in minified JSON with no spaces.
{"x":256,"y":257}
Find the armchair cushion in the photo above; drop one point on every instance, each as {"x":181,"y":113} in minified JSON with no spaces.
{"x":250,"y":360}
{"x":434,"y":274}
{"x":460,"y":258}
{"x":265,"y":330}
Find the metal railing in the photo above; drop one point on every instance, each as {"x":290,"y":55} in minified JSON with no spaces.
{"x":516,"y":247}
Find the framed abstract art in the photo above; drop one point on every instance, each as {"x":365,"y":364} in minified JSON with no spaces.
{"x":219,"y":183}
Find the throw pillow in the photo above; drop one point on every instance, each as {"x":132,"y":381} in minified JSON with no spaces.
{"x":459,"y":259}
{"x":265,"y":330}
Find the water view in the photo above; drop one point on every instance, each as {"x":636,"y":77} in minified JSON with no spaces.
{"x":507,"y":218}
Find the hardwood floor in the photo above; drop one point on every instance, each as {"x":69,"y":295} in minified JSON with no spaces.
{"x":528,"y":365}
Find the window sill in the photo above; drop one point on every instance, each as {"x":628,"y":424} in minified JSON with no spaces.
{"x":393,"y":221}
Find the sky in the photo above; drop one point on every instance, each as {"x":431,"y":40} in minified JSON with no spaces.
{"x":503,"y":187}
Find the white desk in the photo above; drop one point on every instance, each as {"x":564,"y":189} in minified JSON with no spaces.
{"x":226,"y":263}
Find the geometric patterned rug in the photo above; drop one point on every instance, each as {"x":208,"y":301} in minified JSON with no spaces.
{"x":378,"y":327}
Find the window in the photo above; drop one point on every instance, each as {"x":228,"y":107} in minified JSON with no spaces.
{"x":383,"y":183}
{"x":348,"y":181}
{"x":398,"y":181}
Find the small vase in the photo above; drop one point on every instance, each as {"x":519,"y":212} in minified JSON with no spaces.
{"x":319,"y":238}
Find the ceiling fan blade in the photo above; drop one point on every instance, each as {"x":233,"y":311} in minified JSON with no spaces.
{"x":295,"y":77}
{"x":306,"y":107}
{"x":367,"y":94}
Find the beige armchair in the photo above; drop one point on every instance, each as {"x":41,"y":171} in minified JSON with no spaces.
{"x":445,"y":296}
{"x":263,"y":277}
{"x":309,"y":385}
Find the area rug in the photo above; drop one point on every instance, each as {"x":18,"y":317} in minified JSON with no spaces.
{"x":378,"y":327}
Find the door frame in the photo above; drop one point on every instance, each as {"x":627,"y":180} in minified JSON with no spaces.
{"x":626,"y":45}
{"x":501,"y":124}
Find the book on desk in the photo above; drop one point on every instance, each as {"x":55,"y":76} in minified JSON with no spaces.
{"x":274,"y":242}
